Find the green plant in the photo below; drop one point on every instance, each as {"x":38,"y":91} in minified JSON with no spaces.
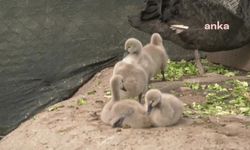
{"x":194,"y":86}
{"x":175,"y":70}
{"x":219,"y":69}
{"x":107,"y":93}
{"x":230,"y":98}
{"x":81,"y":101}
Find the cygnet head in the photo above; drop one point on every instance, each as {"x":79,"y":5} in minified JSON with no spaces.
{"x":117,"y":84}
{"x":133,"y":46}
{"x":156,"y":39}
{"x":152,"y":99}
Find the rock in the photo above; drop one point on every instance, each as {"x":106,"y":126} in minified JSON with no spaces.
{"x":119,"y":130}
{"x":184,"y":90}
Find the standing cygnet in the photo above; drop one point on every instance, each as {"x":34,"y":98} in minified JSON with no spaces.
{"x":133,"y":46}
{"x":163,"y":109}
{"x":123,"y":113}
{"x":152,"y":57}
{"x":134,"y":80}
{"x":157,"y":52}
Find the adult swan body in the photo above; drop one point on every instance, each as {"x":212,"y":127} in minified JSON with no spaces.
{"x":187,"y":23}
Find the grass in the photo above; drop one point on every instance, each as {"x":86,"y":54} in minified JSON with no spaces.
{"x":219,"y":69}
{"x":177,"y":70}
{"x":230,"y":98}
{"x":226,"y":98}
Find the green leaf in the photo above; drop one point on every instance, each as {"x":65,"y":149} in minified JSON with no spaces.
{"x":55,"y":107}
{"x":81,"y":101}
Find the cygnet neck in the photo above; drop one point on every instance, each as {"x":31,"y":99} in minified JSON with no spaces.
{"x":115,"y":87}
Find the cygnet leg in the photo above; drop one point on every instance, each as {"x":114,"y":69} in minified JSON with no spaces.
{"x":163,"y":75}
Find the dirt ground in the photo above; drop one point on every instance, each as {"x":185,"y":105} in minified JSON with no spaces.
{"x":70,"y":126}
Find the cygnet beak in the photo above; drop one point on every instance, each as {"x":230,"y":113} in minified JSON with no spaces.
{"x":150,"y":107}
{"x":118,"y":123}
{"x":124,"y":89}
{"x":125,"y":54}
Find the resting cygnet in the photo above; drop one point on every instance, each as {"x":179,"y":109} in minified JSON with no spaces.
{"x":152,"y":57}
{"x":134,"y":80}
{"x":123,"y":113}
{"x":163,"y":109}
{"x":115,"y":83}
{"x":129,"y":114}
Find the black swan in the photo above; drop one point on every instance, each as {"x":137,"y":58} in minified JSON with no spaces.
{"x":207,"y":25}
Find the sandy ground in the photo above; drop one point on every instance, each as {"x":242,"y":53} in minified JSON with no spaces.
{"x":77,"y":127}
